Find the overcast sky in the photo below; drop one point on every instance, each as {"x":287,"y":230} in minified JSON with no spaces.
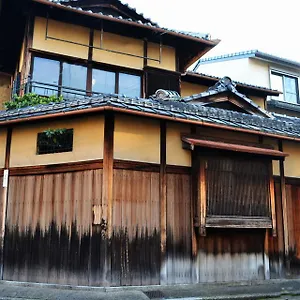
{"x":271,"y":26}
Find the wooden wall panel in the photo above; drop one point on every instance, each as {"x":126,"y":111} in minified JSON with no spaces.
{"x":231,"y":255}
{"x":135,"y":242}
{"x":179,"y":237}
{"x":49,"y":232}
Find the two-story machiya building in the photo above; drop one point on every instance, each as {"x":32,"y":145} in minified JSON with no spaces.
{"x":144,"y":173}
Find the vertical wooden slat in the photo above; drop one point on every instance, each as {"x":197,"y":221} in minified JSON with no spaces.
{"x":202,"y":200}
{"x":4,"y":198}
{"x":108,"y":157}
{"x":266,"y":255}
{"x":272,"y":202}
{"x":284,"y":209}
{"x":163,"y":193}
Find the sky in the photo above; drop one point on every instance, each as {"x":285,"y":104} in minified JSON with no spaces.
{"x":271,"y":26}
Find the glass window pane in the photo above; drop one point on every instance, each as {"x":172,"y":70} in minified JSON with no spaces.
{"x":129,"y":85}
{"x":103,"y":81}
{"x":290,"y":89}
{"x":45,"y":76}
{"x":74,"y":78}
{"x":277,"y":84}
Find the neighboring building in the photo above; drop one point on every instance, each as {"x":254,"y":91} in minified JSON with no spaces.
{"x":258,"y":68}
{"x":145,"y":173}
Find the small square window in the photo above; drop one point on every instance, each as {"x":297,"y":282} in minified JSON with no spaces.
{"x":55,"y":141}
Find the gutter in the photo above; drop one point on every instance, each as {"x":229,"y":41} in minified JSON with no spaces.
{"x":144,"y":114}
{"x":131,"y":23}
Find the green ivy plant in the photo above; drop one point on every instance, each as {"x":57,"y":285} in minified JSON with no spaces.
{"x":53,"y":134}
{"x":30,"y":99}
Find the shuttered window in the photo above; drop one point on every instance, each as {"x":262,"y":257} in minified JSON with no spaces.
{"x":237,"y":187}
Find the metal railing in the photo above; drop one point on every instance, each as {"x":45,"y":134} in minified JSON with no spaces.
{"x":47,"y":89}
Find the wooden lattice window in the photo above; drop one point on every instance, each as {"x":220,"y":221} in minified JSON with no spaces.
{"x":238,"y":187}
{"x":55,"y":141}
{"x":236,"y":192}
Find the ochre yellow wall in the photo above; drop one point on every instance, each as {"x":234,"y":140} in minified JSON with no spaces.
{"x":176,"y":155}
{"x":168,"y":58}
{"x":118,"y":43}
{"x":188,"y":89}
{"x":136,"y":139}
{"x":260,"y":101}
{"x":87,"y":142}
{"x":21,"y":61}
{"x":5,"y":89}
{"x":65,"y":31}
{"x":226,"y":134}
{"x":292,"y":162}
{"x":2,"y":147}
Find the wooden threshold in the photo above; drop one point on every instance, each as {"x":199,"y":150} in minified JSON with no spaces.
{"x":238,"y":222}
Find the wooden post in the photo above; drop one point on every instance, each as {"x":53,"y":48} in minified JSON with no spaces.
{"x":163,"y":198}
{"x":108,"y":165}
{"x":272,"y":202}
{"x":4,"y":185}
{"x":266,"y":255}
{"x":284,"y":210}
{"x":89,"y":81}
{"x":26,"y":68}
{"x":202,"y":197}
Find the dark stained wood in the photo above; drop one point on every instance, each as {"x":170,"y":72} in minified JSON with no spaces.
{"x":136,"y":166}
{"x":284,"y":208}
{"x":4,"y":199}
{"x":57,"y":168}
{"x":272,"y":202}
{"x":89,"y":84}
{"x":108,"y":164}
{"x":163,"y":190}
{"x":238,"y":222}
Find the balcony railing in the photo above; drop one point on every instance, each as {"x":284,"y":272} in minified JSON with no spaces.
{"x":47,"y":89}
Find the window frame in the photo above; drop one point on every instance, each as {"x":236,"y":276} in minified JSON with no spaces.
{"x":283,"y":74}
{"x":204,"y":221}
{"x":90,"y":67}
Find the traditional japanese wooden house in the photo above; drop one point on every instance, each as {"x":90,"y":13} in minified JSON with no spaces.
{"x":144,"y":173}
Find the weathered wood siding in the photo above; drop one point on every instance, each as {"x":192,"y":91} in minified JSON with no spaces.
{"x":179,"y":229}
{"x":135,"y":245}
{"x":49,"y":233}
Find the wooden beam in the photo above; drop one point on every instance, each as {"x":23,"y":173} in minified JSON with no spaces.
{"x":89,"y":81}
{"x":238,"y":222}
{"x":202,"y":197}
{"x":284,"y":209}
{"x":4,"y":197}
{"x":108,"y":163}
{"x":272,"y":202}
{"x":163,"y":194}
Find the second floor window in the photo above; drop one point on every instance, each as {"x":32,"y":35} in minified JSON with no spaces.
{"x":51,"y":77}
{"x":288,"y":85}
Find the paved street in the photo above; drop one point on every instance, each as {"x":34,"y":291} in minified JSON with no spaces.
{"x":274,"y":289}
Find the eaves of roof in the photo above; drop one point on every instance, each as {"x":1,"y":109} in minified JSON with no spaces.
{"x":265,"y":90}
{"x":249,"y":54}
{"x":169,"y":110}
{"x":181,"y":34}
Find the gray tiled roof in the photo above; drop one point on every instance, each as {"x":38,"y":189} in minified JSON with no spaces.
{"x":249,"y":53}
{"x":194,"y":73}
{"x":150,"y":23}
{"x":226,"y":85}
{"x":179,"y":110}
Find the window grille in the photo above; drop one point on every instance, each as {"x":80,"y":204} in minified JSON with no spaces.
{"x":55,"y":141}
